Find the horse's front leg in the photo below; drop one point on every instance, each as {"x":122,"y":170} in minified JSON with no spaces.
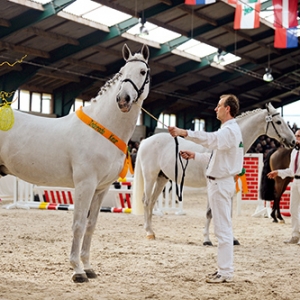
{"x":273,"y":213}
{"x":83,"y":198}
{"x":90,"y":228}
{"x":235,"y":241}
{"x":207,"y":241}
{"x":279,"y":216}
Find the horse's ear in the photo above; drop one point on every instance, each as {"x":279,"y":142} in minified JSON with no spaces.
{"x":269,"y":105}
{"x":126,"y":52}
{"x":145,"y":52}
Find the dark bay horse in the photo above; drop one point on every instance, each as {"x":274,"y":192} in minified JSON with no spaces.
{"x":272,"y":189}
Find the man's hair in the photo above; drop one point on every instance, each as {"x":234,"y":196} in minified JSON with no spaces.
{"x":233,"y":102}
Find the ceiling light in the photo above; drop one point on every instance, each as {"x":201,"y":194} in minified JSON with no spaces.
{"x":268,"y":76}
{"x":219,"y":58}
{"x":143,"y":30}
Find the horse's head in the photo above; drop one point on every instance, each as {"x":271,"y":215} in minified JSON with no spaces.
{"x":136,"y":78}
{"x":277,"y":128}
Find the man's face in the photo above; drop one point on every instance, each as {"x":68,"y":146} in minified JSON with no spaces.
{"x":297,"y":135}
{"x":221,"y":110}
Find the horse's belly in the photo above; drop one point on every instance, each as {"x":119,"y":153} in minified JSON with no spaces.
{"x":53,"y":174}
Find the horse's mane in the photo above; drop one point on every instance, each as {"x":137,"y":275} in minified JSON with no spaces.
{"x":247,"y":113}
{"x":116,"y":77}
{"x":109,"y":83}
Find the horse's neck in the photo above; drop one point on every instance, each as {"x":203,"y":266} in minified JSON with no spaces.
{"x":105,"y":111}
{"x":252,"y":126}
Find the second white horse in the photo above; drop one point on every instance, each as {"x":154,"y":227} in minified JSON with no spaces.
{"x":155,"y":163}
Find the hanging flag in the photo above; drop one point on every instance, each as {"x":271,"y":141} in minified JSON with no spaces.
{"x":244,"y":1}
{"x":196,"y":2}
{"x":246,"y":16}
{"x":286,"y":38}
{"x":285,"y":13}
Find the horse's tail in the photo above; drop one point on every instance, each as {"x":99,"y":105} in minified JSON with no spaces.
{"x":138,"y":188}
{"x":267,"y":186}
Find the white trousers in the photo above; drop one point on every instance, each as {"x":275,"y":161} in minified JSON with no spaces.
{"x":220,"y":193}
{"x":294,"y":206}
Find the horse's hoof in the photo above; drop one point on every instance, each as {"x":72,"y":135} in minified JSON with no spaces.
{"x":275,"y":221}
{"x":207,"y":243}
{"x":236,"y":243}
{"x":151,"y":237}
{"x":90,"y":273}
{"x":80,"y":278}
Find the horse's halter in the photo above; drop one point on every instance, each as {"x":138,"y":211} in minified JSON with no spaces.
{"x":269,"y":119}
{"x":146,"y":81}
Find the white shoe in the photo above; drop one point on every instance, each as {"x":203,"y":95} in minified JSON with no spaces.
{"x":219,"y":279}
{"x":292,"y":240}
{"x":211,"y":275}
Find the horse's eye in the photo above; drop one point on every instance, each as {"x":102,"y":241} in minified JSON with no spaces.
{"x":278,"y":122}
{"x":143,"y":73}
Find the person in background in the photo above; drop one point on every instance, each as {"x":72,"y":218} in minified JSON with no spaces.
{"x":133,"y":155}
{"x":225,"y":163}
{"x":292,"y":171}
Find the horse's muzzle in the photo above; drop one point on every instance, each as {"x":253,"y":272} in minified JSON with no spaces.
{"x":124,"y":103}
{"x":288,"y":144}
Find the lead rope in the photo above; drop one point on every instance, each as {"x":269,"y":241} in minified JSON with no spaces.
{"x":178,"y":191}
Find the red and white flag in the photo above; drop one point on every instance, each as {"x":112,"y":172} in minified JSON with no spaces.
{"x":285,"y":13}
{"x":246,"y":15}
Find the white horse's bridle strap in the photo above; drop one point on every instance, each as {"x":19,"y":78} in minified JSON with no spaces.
{"x":102,"y":130}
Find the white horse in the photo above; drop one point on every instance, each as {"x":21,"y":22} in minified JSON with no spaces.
{"x":85,"y":150}
{"x":155,"y":163}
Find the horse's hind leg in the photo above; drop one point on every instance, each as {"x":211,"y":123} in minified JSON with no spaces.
{"x":150,"y":197}
{"x":90,"y":228}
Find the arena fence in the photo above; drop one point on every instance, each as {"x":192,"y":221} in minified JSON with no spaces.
{"x":117,"y":200}
{"x":57,"y":198}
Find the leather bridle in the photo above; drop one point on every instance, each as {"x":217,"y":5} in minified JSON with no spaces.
{"x":269,"y":120}
{"x":146,"y":81}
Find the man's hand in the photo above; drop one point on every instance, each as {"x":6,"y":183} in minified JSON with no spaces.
{"x":187,"y":154}
{"x":272,"y":174}
{"x":175,"y":131}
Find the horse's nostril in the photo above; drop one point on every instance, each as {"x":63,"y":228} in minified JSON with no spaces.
{"x":127,"y":98}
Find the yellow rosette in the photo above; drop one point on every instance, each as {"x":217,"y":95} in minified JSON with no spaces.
{"x":241,"y":176}
{"x":7,"y":118}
